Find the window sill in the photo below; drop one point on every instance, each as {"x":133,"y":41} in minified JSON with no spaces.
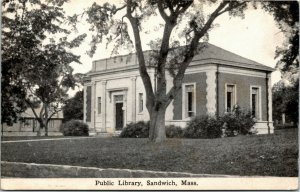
{"x":188,"y":118}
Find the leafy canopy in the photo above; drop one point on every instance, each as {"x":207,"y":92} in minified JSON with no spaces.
{"x":33,"y":58}
{"x":286,"y":14}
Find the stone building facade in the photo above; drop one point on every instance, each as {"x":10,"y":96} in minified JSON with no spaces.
{"x":215,"y":82}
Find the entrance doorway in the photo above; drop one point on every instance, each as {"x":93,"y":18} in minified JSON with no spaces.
{"x":119,"y":116}
{"x":119,"y":111}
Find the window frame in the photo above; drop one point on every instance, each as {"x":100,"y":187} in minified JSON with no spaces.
{"x":99,"y":105}
{"x":234,"y":103}
{"x":258,"y":87}
{"x":140,"y":107}
{"x":185,"y":104}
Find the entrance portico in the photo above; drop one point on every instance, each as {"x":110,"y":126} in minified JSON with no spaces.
{"x":118,"y":104}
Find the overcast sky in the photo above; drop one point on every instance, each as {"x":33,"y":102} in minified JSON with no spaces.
{"x":255,"y":37}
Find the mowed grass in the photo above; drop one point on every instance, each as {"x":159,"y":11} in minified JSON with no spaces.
{"x":261,"y":155}
{"x":17,"y":138}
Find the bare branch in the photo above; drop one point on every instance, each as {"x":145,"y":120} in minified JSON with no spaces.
{"x":231,"y":6}
{"x":193,"y":47}
{"x":120,"y":8}
{"x":213,"y":16}
{"x":32,"y":108}
{"x":55,"y":112}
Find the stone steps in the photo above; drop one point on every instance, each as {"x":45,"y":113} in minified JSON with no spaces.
{"x":105,"y":134}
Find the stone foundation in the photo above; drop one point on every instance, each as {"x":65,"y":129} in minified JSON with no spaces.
{"x":261,"y":127}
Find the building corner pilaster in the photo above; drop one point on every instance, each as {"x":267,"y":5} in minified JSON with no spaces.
{"x":103,"y":105}
{"x":270,"y":107}
{"x":93,"y":115}
{"x":133,"y":81}
{"x":211,"y":91}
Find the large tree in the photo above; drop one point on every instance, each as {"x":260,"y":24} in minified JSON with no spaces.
{"x":34,"y":60}
{"x":181,"y":19}
{"x":286,"y":96}
{"x":49,"y":84}
{"x":286,"y":15}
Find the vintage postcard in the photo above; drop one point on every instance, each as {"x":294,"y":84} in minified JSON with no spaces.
{"x":149,"y":95}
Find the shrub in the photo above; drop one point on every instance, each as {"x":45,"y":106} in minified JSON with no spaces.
{"x":237,"y":122}
{"x":141,"y":130}
{"x":75,"y":128}
{"x":205,"y":126}
{"x":136,"y":130}
{"x":173,"y":131}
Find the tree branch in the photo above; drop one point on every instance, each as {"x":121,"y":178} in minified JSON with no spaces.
{"x":211,"y":19}
{"x":120,"y":8}
{"x":142,"y":66}
{"x":32,"y":108}
{"x":55,"y":112}
{"x":231,"y":6}
{"x":177,"y":81}
{"x":163,"y":53}
{"x":179,"y":11}
{"x":169,"y":4}
{"x":162,"y":11}
{"x":41,"y":112}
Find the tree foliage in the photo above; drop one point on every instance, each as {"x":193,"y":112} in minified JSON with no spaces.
{"x":73,"y":108}
{"x":286,"y":14}
{"x":286,"y":97}
{"x":286,"y":100}
{"x":35,"y":61}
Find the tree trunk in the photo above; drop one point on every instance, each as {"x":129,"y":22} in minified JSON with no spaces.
{"x":157,"y":132}
{"x":39,"y":130}
{"x":46,"y":129}
{"x":46,"y":119}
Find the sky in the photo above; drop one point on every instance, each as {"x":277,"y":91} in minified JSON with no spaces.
{"x":255,"y":37}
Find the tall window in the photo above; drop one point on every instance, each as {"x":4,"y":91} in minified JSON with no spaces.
{"x":141,"y":102}
{"x":189,"y":101}
{"x":99,"y":105}
{"x":230,"y":98}
{"x":255,"y":108}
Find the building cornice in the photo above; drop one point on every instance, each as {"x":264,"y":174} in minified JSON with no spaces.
{"x":231,"y":63}
{"x":199,"y":63}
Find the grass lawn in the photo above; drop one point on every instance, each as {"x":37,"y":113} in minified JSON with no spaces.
{"x":16,"y":138}
{"x":265,"y":155}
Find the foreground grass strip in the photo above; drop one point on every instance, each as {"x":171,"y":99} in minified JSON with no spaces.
{"x":33,"y":170}
{"x":52,"y":139}
{"x":264,"y":155}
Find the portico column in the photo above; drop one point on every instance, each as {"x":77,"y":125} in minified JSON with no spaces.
{"x":93,"y":104}
{"x":103,"y":105}
{"x":211,"y":91}
{"x":270,"y":108}
{"x":84,"y":103}
{"x":133,"y":81}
